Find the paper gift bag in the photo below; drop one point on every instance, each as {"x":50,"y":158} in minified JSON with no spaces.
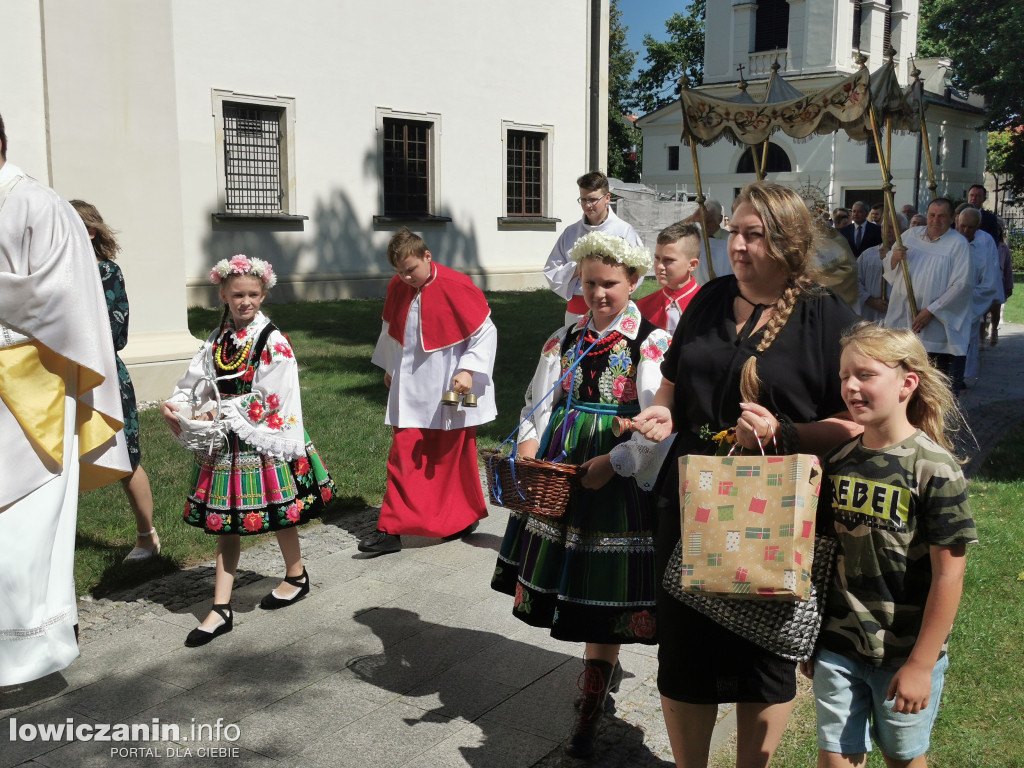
{"x":748,"y":524}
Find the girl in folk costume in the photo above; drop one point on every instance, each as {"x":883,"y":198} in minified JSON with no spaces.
{"x":437,"y":336}
{"x":589,"y":576}
{"x":675,"y":258}
{"x":268,"y":476}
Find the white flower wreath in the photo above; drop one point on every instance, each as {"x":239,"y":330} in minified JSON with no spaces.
{"x":241,"y":264}
{"x":613,"y":247}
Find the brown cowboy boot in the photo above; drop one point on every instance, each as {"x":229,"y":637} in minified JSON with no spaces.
{"x":594,"y":681}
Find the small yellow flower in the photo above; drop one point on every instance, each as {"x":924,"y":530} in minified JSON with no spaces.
{"x":728,"y":436}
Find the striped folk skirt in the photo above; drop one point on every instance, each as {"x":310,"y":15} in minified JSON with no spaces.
{"x":590,"y":575}
{"x":239,"y":491}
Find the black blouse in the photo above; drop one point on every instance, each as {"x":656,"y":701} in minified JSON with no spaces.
{"x":799,"y":372}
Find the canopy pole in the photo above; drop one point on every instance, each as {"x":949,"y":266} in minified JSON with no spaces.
{"x":703,"y":210}
{"x":888,"y":159}
{"x":764,"y":161}
{"x":883,"y":164}
{"x":757,"y":161}
{"x":916,"y":74}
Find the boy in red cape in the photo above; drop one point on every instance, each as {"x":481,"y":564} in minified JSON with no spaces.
{"x":675,"y":258}
{"x":437,"y":336}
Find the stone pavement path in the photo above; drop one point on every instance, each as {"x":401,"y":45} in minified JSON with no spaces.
{"x":403,"y":660}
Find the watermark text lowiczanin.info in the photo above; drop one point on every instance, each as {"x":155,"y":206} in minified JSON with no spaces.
{"x":153,"y":731}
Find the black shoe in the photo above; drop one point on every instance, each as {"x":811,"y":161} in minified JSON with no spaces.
{"x":464,"y":532}
{"x":200,"y":636}
{"x":272,"y":601}
{"x":595,"y":682}
{"x":381,"y":543}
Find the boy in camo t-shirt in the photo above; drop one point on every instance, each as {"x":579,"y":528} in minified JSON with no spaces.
{"x":898,"y":501}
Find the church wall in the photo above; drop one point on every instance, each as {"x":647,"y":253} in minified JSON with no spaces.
{"x":127,"y":117}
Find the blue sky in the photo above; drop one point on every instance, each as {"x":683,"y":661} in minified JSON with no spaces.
{"x":647,"y":17}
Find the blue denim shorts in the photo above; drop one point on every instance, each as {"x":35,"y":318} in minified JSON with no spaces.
{"x":851,"y":707}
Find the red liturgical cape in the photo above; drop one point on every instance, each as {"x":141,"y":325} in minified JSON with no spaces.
{"x":655,"y":306}
{"x":451,"y":308}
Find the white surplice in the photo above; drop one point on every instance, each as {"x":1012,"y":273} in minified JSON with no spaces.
{"x":419,"y":379}
{"x":869,"y":283}
{"x":719,"y":260}
{"x":560,"y":269}
{"x":988,"y":287}
{"x":50,"y":297}
{"x":941,"y":274}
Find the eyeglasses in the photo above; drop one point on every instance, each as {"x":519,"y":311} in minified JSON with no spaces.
{"x":590,"y":202}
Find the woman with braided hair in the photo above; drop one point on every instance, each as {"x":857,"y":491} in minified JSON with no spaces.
{"x":758,"y":352}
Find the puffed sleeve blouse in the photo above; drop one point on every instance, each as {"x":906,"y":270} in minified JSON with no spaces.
{"x":799,"y":372}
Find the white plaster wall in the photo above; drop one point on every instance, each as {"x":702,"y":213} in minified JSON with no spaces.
{"x":22,"y":101}
{"x":475,"y":64}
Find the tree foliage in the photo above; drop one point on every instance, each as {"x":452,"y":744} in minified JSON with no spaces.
{"x":623,"y":136}
{"x":681,"y":56}
{"x":982,"y":39}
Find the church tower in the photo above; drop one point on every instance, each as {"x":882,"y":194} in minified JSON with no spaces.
{"x":810,"y":38}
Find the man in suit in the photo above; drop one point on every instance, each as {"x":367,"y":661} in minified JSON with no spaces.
{"x":989,"y":223}
{"x":861,"y":233}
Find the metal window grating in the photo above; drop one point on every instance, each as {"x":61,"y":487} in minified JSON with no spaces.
{"x":525,"y":173}
{"x":252,"y":159}
{"x":406,"y":167}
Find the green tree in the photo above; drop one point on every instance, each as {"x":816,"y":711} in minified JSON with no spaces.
{"x":623,"y":136}
{"x":681,"y":56}
{"x":982,"y":39}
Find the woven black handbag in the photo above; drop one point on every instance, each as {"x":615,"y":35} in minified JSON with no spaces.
{"x":786,"y":628}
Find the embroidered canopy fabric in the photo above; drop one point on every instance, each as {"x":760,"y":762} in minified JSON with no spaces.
{"x":891,"y":100}
{"x":839,"y":107}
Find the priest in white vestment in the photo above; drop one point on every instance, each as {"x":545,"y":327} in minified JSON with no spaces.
{"x":941,"y":273}
{"x":60,"y":417}
{"x":988,"y":284}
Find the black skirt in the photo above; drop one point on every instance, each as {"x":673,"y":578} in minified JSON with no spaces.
{"x":699,"y":661}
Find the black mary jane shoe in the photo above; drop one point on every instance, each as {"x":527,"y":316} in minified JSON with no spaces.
{"x":272,"y":602}
{"x":200,"y":636}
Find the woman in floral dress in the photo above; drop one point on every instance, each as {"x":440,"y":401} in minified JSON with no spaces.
{"x":268,"y":476}
{"x":136,"y":485}
{"x":589,"y":576}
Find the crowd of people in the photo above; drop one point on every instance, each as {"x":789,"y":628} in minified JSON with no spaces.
{"x":792,"y":333}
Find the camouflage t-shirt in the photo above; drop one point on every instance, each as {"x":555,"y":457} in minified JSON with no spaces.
{"x":889,"y":507}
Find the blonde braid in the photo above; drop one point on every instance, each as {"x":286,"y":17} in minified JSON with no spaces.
{"x":750,"y":384}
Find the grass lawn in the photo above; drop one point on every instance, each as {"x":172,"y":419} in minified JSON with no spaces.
{"x":979,"y":722}
{"x":343,"y":399}
{"x":1013,"y":310}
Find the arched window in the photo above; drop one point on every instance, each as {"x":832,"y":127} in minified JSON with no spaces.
{"x":778,"y":160}
{"x":771,"y":25}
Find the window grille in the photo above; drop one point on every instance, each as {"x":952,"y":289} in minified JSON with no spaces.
{"x":524,"y":188}
{"x":406,"y":167}
{"x":252,"y":159}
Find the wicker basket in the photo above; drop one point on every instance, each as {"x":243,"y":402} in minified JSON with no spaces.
{"x":539,"y":487}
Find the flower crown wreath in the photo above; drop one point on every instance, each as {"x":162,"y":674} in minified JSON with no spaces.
{"x":243,"y":265}
{"x":612,"y":247}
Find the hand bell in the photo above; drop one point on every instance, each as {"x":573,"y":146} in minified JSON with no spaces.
{"x":469,"y":400}
{"x":451,"y":398}
{"x":621,"y":425}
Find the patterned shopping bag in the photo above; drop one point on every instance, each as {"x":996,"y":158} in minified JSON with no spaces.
{"x":748,"y":524}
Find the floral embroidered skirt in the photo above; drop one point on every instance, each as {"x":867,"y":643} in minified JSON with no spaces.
{"x":590,"y":575}
{"x":240,"y":491}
